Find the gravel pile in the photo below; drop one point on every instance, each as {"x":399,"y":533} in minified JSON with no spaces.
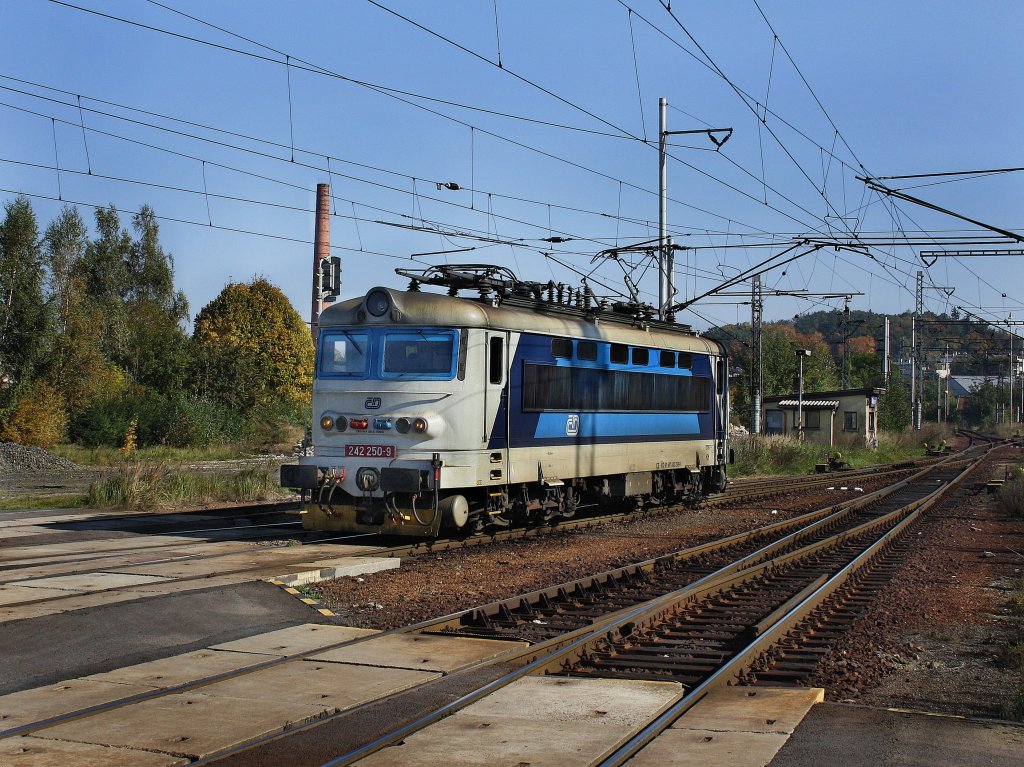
{"x":15,"y":457}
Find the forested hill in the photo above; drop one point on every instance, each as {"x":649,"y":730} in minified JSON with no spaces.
{"x":975,"y":348}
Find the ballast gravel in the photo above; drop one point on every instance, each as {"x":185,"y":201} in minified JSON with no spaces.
{"x":15,"y":457}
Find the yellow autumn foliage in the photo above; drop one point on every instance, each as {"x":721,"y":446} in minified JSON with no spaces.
{"x":39,"y":418}
{"x":252,"y":350}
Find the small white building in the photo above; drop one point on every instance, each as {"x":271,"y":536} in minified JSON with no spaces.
{"x":842,"y":417}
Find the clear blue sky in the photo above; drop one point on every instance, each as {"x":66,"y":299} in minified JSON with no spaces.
{"x":912,"y":88}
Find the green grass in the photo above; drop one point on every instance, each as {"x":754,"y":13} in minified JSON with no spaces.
{"x":111,"y":456}
{"x":148,"y":485}
{"x":31,"y":502}
{"x":785,"y":455}
{"x":309,"y":590}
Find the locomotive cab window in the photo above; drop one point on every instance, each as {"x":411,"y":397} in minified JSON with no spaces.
{"x":419,"y":354}
{"x":343,"y":353}
{"x":586,"y":350}
{"x":641,"y":356}
{"x":561,"y":347}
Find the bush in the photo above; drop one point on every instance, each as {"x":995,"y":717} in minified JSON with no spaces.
{"x":39,"y":418}
{"x":776,"y":455}
{"x":1010,"y":497}
{"x":201,"y":422}
{"x":178,"y":421}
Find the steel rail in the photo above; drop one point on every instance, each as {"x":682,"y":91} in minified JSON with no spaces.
{"x":671,"y":712}
{"x":814,"y":518}
{"x":554,"y":654}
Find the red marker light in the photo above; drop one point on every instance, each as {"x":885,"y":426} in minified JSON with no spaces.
{"x":359,"y":423}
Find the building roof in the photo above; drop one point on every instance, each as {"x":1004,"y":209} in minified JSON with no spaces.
{"x":867,"y":391}
{"x":961,"y":386}
{"x":811,"y":404}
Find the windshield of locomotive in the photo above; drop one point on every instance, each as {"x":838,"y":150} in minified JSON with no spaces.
{"x":343,"y":353}
{"x":426,"y":354}
{"x":419,"y":354}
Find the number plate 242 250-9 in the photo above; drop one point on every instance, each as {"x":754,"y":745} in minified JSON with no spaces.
{"x":370,"y":451}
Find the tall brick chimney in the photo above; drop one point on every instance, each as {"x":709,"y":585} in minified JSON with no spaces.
{"x":321,"y":250}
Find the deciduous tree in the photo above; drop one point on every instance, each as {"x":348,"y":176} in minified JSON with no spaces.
{"x":252,"y":351}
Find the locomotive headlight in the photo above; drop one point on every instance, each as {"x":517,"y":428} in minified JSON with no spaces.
{"x":378,"y":302}
{"x":419,"y":425}
{"x":402,"y":425}
{"x":326,"y":422}
{"x":341,"y":423}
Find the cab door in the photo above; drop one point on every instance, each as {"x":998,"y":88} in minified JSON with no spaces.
{"x":496,"y":404}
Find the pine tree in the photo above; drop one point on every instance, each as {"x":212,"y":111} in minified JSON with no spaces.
{"x":24,"y":323}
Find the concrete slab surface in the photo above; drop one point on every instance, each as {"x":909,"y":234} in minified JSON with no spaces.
{"x":178,"y":669}
{"x":539,"y":721}
{"x":107,"y":563}
{"x":333,"y":686}
{"x":841,"y":735}
{"x":710,"y":747}
{"x":112,"y":635}
{"x":70,"y":601}
{"x":14,"y":595}
{"x":89,"y":582}
{"x":39,"y":752}
{"x":38,"y":703}
{"x":295,"y":639}
{"x":187,"y":724}
{"x":302,"y":573}
{"x":752,"y":709}
{"x":423,"y":652}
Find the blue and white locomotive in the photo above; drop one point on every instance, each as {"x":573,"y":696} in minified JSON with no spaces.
{"x":524,"y":404}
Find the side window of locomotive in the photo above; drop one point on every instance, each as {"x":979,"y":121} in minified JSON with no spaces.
{"x":641,"y":356}
{"x":685,"y":360}
{"x":722,"y":374}
{"x":344,"y":354}
{"x":586,"y":350}
{"x":667,"y":359}
{"x":420,"y":354}
{"x":497,"y":360}
{"x":619,"y":354}
{"x":561,"y":347}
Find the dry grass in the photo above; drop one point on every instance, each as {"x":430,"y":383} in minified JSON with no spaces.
{"x":148,"y":485}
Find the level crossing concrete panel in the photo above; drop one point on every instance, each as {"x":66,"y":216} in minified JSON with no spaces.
{"x":295,"y":639}
{"x":424,"y":652}
{"x":34,"y":705}
{"x":32,"y":751}
{"x":738,"y":726}
{"x":539,"y":721}
{"x":179,"y":669}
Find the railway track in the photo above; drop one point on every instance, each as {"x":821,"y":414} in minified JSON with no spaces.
{"x":568,"y":625}
{"x":745,"y":491}
{"x":768,"y":615}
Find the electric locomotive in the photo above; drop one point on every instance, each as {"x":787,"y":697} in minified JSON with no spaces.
{"x":521,"y":404}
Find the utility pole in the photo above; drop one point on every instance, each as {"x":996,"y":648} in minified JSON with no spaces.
{"x":844,"y":331}
{"x":917,"y":377}
{"x":756,"y":379}
{"x":885,"y":356}
{"x":1009,"y":317}
{"x":664,"y":296}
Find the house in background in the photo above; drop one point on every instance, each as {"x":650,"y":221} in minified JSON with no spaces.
{"x":842,"y":417}
{"x":962,"y":386}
